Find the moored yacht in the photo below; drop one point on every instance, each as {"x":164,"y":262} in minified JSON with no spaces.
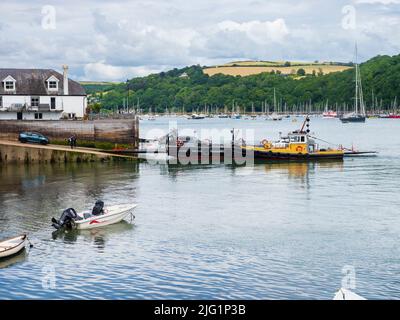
{"x":359,"y":108}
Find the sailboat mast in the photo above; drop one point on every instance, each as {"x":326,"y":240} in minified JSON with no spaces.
{"x":356,"y":98}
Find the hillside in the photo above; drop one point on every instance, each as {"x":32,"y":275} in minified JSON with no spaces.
{"x":97,"y":86}
{"x":246,"y":68}
{"x":189,"y":88}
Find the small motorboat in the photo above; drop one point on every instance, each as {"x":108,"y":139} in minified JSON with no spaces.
{"x":223,"y":116}
{"x":196,"y":116}
{"x":70,"y":219}
{"x":12,"y":246}
{"x":329,"y":114}
{"x":274,"y":117}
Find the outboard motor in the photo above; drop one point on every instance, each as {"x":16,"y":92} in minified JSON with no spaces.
{"x":66,"y":220}
{"x":98,"y":208}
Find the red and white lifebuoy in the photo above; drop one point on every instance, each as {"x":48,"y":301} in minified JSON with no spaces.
{"x":299,"y":149}
{"x":265,"y":143}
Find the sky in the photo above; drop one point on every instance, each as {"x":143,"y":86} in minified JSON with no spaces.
{"x":115,"y":40}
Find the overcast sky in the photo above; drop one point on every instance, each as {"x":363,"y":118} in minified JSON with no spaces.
{"x":120,"y":39}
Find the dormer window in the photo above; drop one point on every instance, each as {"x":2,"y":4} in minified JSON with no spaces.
{"x":52,"y":84}
{"x":9,"y":84}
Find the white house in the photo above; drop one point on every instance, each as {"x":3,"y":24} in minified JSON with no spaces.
{"x":40,"y":94}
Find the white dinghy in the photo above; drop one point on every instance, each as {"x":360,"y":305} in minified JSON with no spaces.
{"x":12,"y":246}
{"x":70,"y":219}
{"x":345,"y":294}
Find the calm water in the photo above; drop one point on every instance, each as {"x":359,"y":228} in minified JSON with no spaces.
{"x":277,"y":231}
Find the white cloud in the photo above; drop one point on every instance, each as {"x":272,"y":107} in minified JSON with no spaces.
{"x":113,"y":40}
{"x":385,"y":2}
{"x":258,"y":31}
{"x":101,"y":71}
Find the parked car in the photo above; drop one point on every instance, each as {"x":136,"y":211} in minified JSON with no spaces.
{"x":33,"y":137}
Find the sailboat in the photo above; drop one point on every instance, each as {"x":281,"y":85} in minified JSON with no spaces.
{"x":359,"y":108}
{"x":274,"y":116}
{"x":151,"y":117}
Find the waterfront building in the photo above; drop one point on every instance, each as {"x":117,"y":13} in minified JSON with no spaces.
{"x":40,"y":94}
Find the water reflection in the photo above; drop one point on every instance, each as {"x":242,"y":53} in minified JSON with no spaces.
{"x":297,"y":170}
{"x":15,"y":259}
{"x":98,"y":237}
{"x":300,"y":170}
{"x":175,"y":170}
{"x":25,"y":178}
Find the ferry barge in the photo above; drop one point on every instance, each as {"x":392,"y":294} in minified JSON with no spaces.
{"x":298,"y":145}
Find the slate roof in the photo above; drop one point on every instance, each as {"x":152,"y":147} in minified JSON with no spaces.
{"x":33,"y":82}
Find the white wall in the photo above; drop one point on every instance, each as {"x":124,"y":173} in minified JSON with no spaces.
{"x":8,"y":115}
{"x":74,"y":104}
{"x":46,"y":100}
{"x":69,"y":104}
{"x":30,"y":116}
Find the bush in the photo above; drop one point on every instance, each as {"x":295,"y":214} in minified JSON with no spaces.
{"x":301,"y":72}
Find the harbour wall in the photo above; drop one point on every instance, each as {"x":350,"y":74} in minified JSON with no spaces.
{"x":18,"y":153}
{"x":118,"y":131}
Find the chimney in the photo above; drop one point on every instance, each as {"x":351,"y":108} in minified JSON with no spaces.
{"x":65,"y":82}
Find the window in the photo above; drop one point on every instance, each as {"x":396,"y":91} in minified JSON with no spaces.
{"x":38,"y":116}
{"x":53,"y":85}
{"x":52,"y":103}
{"x":35,"y":102}
{"x":303,"y":139}
{"x":9,"y":85}
{"x":1,"y":102}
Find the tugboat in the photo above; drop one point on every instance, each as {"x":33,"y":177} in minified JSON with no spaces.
{"x":297,"y":145}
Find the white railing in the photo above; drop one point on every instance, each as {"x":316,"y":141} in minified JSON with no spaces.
{"x":19,"y":107}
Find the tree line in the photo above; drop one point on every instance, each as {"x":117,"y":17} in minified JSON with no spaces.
{"x":189,"y":89}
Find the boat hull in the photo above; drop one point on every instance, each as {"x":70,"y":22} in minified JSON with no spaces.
{"x":113,"y":215}
{"x":256,"y":154}
{"x":353,"y":119}
{"x":266,"y":155}
{"x":12,"y":246}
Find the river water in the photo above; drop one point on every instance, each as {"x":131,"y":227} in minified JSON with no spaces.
{"x":272,"y":231}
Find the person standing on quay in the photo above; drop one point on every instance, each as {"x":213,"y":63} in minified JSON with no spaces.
{"x":71,"y":141}
{"x":74,"y":140}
